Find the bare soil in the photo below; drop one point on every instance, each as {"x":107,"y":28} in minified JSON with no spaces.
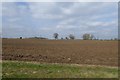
{"x":61,"y":51}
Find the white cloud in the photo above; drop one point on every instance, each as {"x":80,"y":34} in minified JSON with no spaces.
{"x":9,"y":9}
{"x":102,"y":24}
{"x":66,"y":11}
{"x":65,"y":26}
{"x":42,"y":10}
{"x":110,"y":15}
{"x":59,"y":1}
{"x":68,"y":21}
{"x":13,"y":19}
{"x":0,"y":9}
{"x":63,"y":17}
{"x":46,"y":16}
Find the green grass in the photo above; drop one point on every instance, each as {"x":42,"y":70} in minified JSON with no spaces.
{"x":17,"y":69}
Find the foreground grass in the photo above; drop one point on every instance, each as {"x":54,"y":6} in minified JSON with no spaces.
{"x":17,"y":69}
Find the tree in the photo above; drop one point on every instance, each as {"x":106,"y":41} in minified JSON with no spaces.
{"x":115,"y":39}
{"x":61,"y":38}
{"x":55,"y":35}
{"x":71,"y":36}
{"x":20,"y":37}
{"x":66,"y":38}
{"x":88,"y":36}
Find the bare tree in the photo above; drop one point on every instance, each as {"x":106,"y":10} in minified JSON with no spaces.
{"x":71,"y":36}
{"x":88,"y":36}
{"x":55,"y":35}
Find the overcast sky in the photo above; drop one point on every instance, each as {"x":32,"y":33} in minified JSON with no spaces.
{"x":28,"y":19}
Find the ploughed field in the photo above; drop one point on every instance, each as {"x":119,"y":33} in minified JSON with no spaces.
{"x":89,"y":52}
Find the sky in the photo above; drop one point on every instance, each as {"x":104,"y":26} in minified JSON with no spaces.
{"x":30,"y":19}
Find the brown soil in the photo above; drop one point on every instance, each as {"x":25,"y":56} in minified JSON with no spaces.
{"x":61,"y":51}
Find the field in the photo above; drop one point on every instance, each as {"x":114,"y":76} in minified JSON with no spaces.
{"x":20,"y":69}
{"x":81,"y":52}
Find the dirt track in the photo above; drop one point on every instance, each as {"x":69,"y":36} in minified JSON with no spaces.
{"x":61,"y":51}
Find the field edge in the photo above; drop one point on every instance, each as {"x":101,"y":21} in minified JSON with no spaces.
{"x":56,"y":70}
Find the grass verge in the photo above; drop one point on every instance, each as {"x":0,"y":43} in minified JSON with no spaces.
{"x":20,"y":69}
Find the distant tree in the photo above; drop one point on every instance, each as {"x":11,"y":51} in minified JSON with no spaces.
{"x":61,"y":38}
{"x":115,"y":39}
{"x":111,"y":39}
{"x":71,"y":36}
{"x":97,"y":39}
{"x":66,"y":38}
{"x":20,"y":37}
{"x":88,"y":36}
{"x":55,"y":35}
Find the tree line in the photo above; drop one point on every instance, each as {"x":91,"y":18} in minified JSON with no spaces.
{"x":85,"y":36}
{"x":72,"y":37}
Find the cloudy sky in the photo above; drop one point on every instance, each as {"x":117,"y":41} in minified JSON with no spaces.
{"x":28,"y":19}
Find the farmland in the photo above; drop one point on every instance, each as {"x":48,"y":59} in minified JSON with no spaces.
{"x":61,"y":51}
{"x":30,"y":58}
